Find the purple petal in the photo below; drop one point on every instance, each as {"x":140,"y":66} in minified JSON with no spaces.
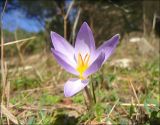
{"x":95,"y":65}
{"x":109,"y":46}
{"x":84,"y":41}
{"x":64,"y":62}
{"x":61,"y":45}
{"x":73,"y":86}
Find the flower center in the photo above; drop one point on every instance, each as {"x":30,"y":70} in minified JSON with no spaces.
{"x":82,"y":64}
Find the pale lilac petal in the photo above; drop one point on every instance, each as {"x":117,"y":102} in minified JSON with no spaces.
{"x":73,"y":86}
{"x":95,"y":66}
{"x":64,"y":62}
{"x":70,"y":61}
{"x":109,"y":46}
{"x":84,"y":42}
{"x":61,"y":45}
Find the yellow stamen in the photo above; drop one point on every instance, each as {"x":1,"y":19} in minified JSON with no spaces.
{"x":86,"y":60}
{"x":82,"y":64}
{"x":80,"y":60}
{"x":85,"y":57}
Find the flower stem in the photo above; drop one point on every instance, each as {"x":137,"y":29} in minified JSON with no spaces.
{"x":88,"y":97}
{"x":93,"y":92}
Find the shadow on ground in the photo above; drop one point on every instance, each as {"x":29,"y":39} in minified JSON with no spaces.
{"x":63,"y":119}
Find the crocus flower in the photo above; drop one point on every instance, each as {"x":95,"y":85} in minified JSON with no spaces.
{"x":83,"y":59}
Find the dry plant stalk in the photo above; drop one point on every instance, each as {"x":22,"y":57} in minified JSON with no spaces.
{"x":2,"y":68}
{"x":135,"y":94}
{"x":19,"y":50}
{"x":4,"y":87}
{"x":18,"y":41}
{"x":113,"y":108}
{"x":139,"y":105}
{"x":65,"y":17}
{"x":3,"y":77}
{"x":75,"y":25}
{"x":9,"y":115}
{"x":7,"y":86}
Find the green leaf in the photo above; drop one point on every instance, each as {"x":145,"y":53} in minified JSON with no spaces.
{"x":31,"y":120}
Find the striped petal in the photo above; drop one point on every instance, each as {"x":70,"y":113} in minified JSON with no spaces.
{"x":63,"y":46}
{"x":108,"y":47}
{"x":85,"y":41}
{"x":64,"y":62}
